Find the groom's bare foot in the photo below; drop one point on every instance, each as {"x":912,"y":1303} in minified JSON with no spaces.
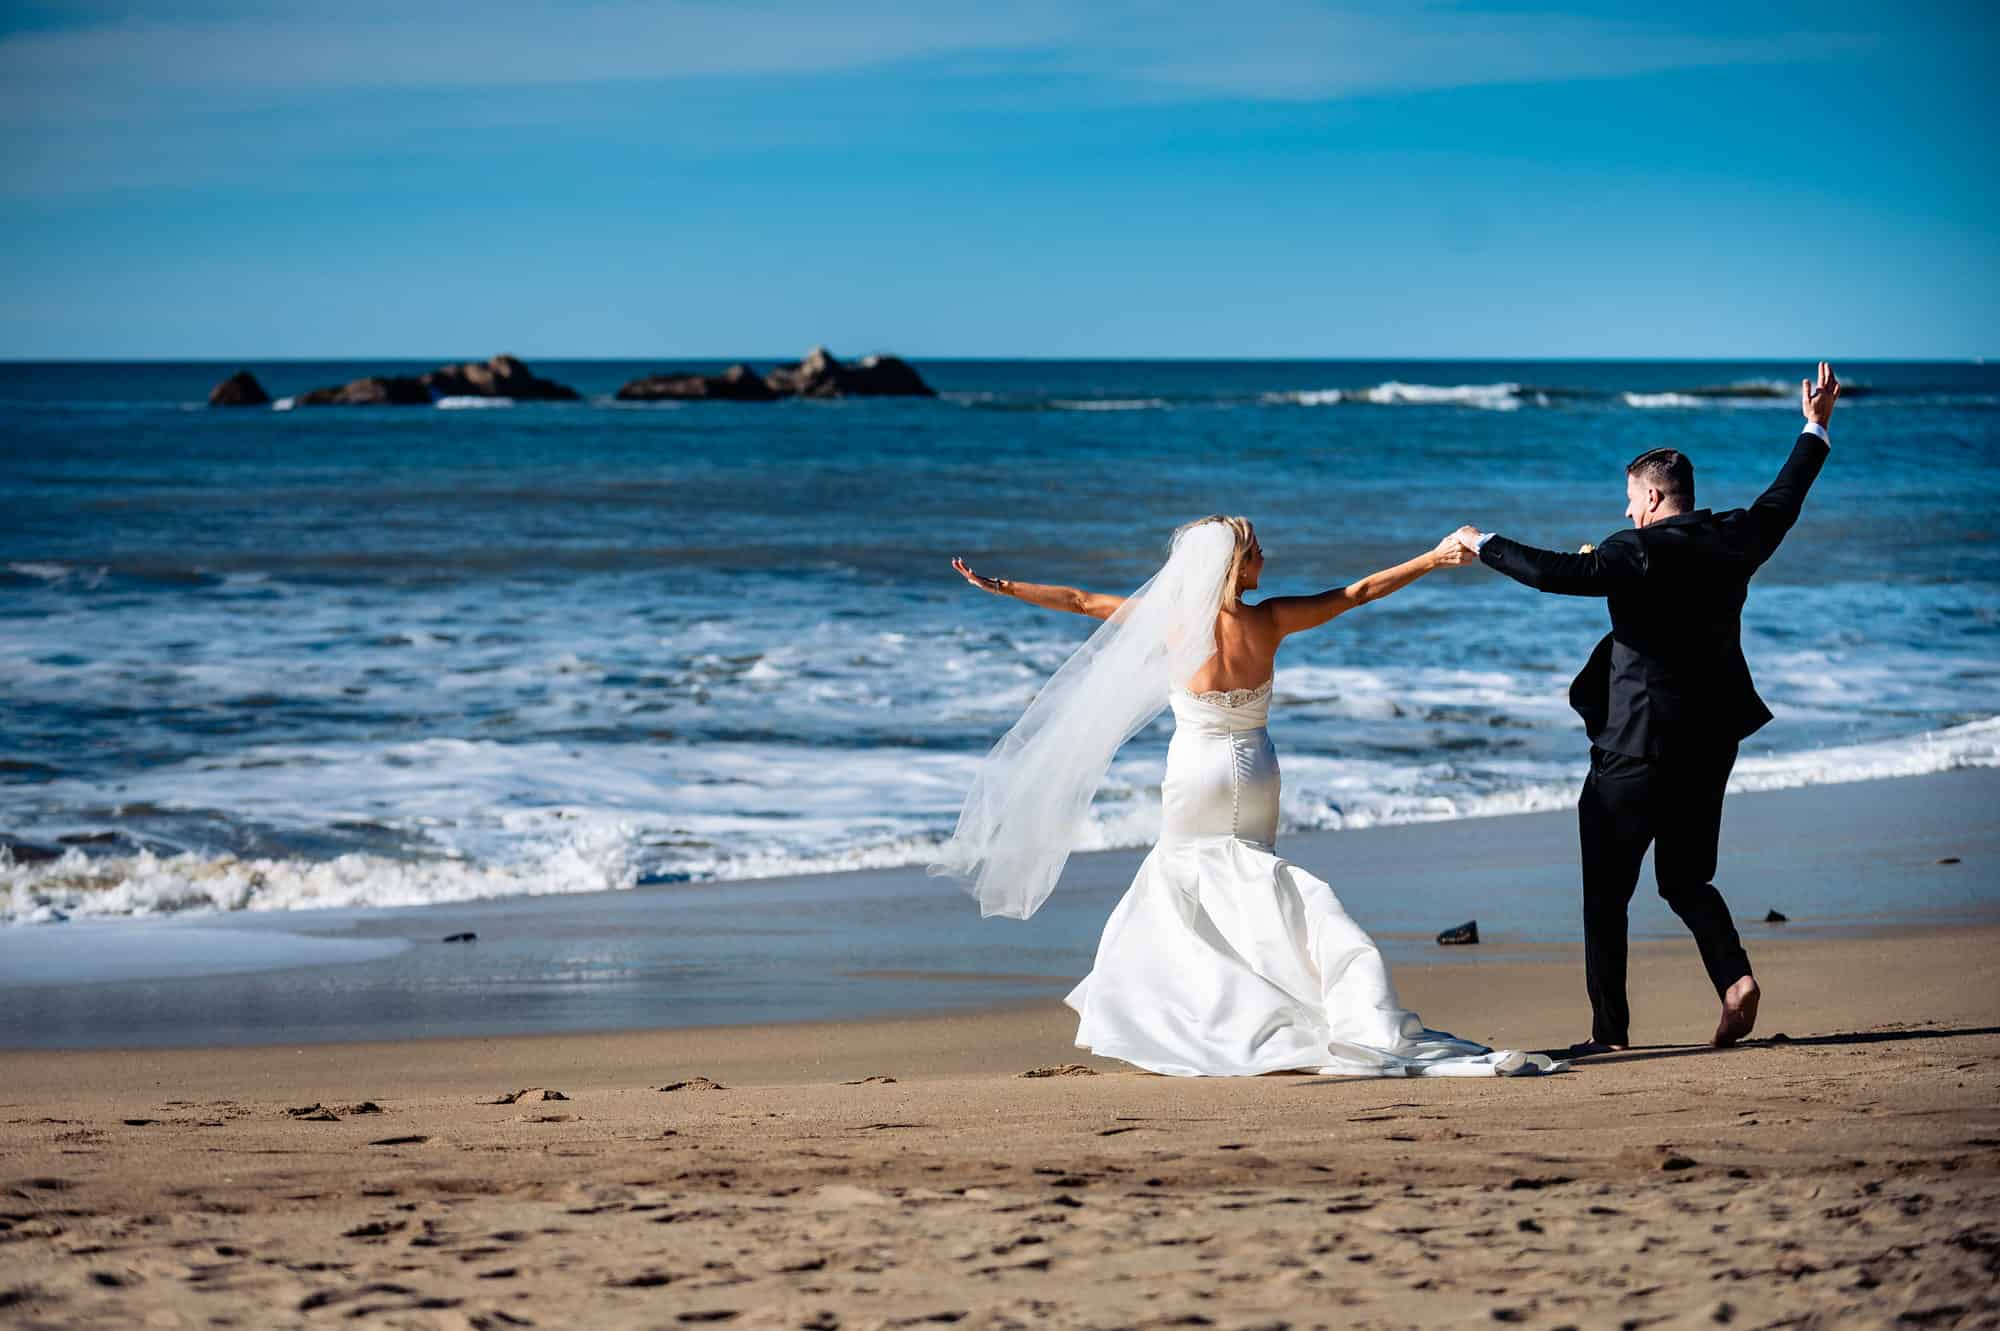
{"x":1739,"y":1012}
{"x":1585,"y":1048}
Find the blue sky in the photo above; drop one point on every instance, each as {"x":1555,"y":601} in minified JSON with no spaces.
{"x":242,"y":180}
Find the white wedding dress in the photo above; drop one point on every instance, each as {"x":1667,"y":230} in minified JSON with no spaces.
{"x":1223,"y":960}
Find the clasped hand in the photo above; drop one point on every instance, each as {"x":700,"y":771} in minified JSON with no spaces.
{"x":1461,"y":547}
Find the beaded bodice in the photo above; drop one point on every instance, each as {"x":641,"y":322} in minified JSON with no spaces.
{"x":1234,"y":697}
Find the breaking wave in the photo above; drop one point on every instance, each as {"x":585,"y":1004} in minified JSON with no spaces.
{"x":603,"y":851}
{"x":1491,"y":397}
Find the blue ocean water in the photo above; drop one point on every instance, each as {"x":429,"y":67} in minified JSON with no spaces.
{"x":260,"y":659}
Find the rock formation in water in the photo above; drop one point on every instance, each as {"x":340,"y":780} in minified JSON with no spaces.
{"x":240,"y":389}
{"x":374,"y":391}
{"x":738,"y":383}
{"x":503,"y":376}
{"x":821,"y":375}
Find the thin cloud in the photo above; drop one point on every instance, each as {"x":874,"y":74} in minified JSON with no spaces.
{"x":1277,"y":51}
{"x":499,"y":47}
{"x":1300,"y":52}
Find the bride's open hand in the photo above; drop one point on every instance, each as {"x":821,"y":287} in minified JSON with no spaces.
{"x":1452,"y":552}
{"x":979,"y":580}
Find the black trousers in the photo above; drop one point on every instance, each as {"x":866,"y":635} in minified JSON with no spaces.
{"x":1674,"y":804}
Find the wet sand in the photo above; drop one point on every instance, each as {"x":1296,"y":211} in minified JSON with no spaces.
{"x":1842,"y":1168}
{"x":871,"y":943}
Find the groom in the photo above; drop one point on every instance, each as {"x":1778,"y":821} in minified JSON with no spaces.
{"x":1665,"y":699}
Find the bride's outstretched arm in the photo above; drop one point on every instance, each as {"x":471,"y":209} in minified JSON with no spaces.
{"x":1098,"y":605}
{"x":1294,"y":614}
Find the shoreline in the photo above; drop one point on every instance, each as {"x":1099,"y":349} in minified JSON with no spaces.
{"x":1855,"y":860}
{"x":1517,"y":1001}
{"x":51,"y":881}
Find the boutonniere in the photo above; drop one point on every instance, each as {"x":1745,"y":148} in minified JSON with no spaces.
{"x":1585,"y":548}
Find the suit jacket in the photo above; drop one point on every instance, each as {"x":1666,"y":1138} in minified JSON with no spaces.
{"x":1671,"y":672}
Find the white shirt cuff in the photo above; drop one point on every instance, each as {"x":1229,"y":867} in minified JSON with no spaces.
{"x":1484,"y":537}
{"x":1814,"y":427}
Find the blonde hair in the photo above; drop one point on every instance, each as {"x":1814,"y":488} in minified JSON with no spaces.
{"x":1241,"y":527}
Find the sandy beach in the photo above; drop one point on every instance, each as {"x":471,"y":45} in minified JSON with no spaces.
{"x":1843,"y":1168}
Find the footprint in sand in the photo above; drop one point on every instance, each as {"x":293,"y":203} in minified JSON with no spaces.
{"x":694,"y":1084}
{"x":319,"y":1113}
{"x":848,"y":1194}
{"x":1060,"y":1070}
{"x":534,"y":1095}
{"x":1662,"y":1157}
{"x":375,"y":1229}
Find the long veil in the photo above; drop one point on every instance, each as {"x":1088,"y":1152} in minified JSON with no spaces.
{"x":1032,"y":792}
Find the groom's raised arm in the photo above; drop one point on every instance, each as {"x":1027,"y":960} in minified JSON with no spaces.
{"x":1612,"y":567}
{"x":1778,"y":507}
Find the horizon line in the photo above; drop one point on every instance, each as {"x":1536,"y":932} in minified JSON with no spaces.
{"x":1964,"y":359}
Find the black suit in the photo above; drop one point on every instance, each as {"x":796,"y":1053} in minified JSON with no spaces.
{"x":1665,"y":698}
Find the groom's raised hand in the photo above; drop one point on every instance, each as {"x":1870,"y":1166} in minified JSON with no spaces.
{"x":1817,"y":399}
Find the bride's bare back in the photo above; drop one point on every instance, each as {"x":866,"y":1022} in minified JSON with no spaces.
{"x":1246,"y":649}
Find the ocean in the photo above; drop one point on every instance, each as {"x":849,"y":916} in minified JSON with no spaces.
{"x":266,"y":660}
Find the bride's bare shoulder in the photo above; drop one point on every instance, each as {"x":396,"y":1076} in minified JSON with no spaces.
{"x":1258,"y":616}
{"x":1247,"y":630}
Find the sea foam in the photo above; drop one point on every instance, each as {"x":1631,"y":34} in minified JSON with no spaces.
{"x":1108,"y":403}
{"x":602,"y":851}
{"x":1394,"y":393}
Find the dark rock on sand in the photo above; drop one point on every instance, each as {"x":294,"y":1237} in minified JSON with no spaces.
{"x":694,"y":1084}
{"x":1662,"y":1157}
{"x":503,"y":376}
{"x":1464,"y":933}
{"x":240,"y":389}
{"x":822,"y":375}
{"x":738,"y":383}
{"x":461,"y":938}
{"x":1776,"y":917}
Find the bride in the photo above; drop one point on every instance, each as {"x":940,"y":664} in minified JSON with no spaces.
{"x":1221,"y":959}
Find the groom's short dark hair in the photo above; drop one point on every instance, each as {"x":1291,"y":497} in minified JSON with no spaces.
{"x":1666,"y":470}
